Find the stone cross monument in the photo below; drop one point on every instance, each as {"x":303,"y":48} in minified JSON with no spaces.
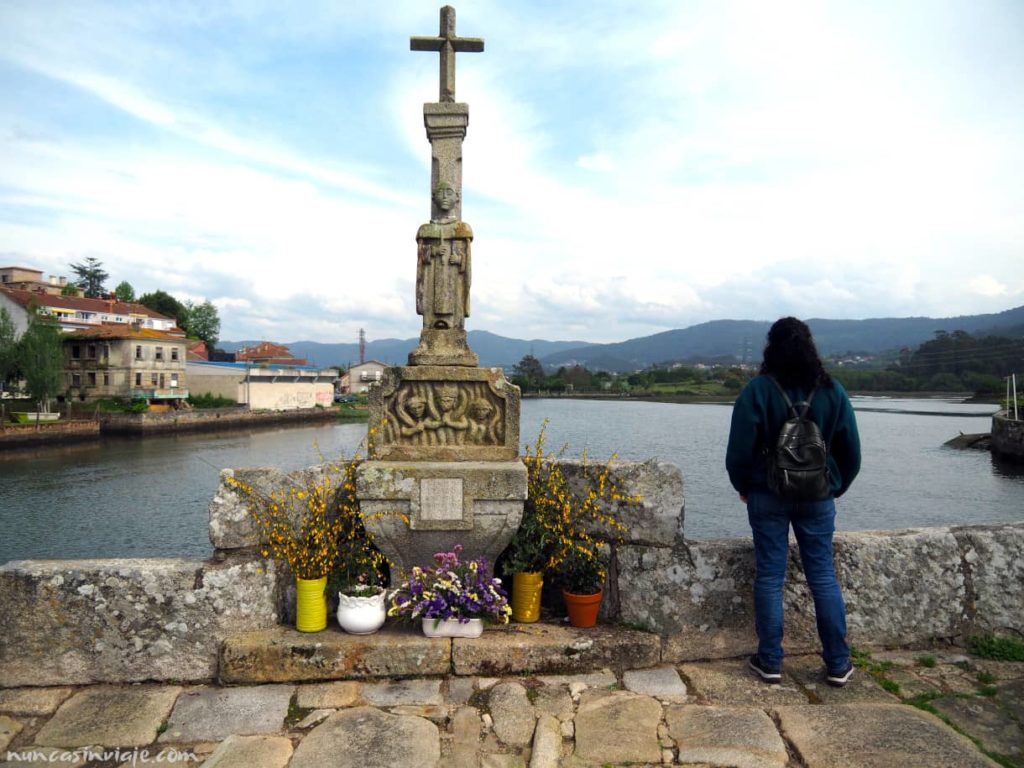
{"x":443,"y":253}
{"x":444,"y":466}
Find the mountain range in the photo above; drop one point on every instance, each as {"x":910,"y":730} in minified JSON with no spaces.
{"x":717,"y":340}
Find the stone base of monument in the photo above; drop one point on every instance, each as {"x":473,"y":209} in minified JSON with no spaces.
{"x":443,"y":347}
{"x":444,"y":466}
{"x":414,"y":509}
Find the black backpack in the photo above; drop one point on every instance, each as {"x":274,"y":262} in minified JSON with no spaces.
{"x":798,"y":464}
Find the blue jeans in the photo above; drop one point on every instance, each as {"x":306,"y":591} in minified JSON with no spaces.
{"x":813,"y":523}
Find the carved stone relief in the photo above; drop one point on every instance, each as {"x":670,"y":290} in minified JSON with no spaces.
{"x":444,"y":413}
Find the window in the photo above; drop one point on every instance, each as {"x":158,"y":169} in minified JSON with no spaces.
{"x":174,"y":353}
{"x":138,"y":379}
{"x":159,"y":353}
{"x":92,"y":352}
{"x":138,"y":352}
{"x":152,"y":379}
{"x":161,"y":381}
{"x":106,"y":379}
{"x":91,"y":378}
{"x":76,"y":352}
{"x":174,"y":380}
{"x":76,"y":379}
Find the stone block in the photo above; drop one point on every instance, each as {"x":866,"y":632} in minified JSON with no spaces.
{"x":286,"y":655}
{"x":548,"y":648}
{"x":875,"y":736}
{"x":743,"y":737}
{"x":700,"y":596}
{"x":513,"y":715}
{"x":87,"y":621}
{"x":9,"y":728}
{"x":334,"y":695}
{"x":397,"y":693}
{"x":617,"y":727}
{"x":231,"y":524}
{"x":662,"y":683}
{"x":731,"y":683}
{"x":110,"y":716}
{"x":656,"y":518}
{"x":444,"y":413}
{"x":994,"y":559}
{"x":33,"y":701}
{"x":251,"y":752}
{"x":364,"y":737}
{"x":211,"y":714}
{"x":901,"y":587}
{"x":414,"y":509}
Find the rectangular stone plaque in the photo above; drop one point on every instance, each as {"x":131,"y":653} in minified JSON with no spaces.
{"x":441,"y":499}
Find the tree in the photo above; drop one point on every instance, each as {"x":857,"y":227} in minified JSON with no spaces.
{"x":165,"y":304}
{"x":8,"y":347}
{"x":124,"y":292}
{"x":91,"y":277}
{"x":202,"y":322}
{"x":529,"y":372}
{"x":41,"y":358}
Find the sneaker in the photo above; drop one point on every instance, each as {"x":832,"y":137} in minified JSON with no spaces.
{"x":767,"y":673}
{"x":840,"y":678}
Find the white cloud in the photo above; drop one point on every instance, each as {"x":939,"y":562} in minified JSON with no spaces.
{"x":628,"y":168}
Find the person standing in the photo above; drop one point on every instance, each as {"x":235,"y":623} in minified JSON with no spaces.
{"x":791,"y":359}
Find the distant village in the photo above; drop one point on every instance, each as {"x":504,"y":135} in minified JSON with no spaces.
{"x":117,"y":349}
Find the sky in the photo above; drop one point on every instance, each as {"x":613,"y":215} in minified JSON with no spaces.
{"x":629,"y":167}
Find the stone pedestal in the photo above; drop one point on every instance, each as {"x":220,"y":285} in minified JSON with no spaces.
{"x":416,"y":508}
{"x":444,"y":466}
{"x":444,"y":413}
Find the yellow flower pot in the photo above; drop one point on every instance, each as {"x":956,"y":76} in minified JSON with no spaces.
{"x":311,"y":604}
{"x":526,"y":588}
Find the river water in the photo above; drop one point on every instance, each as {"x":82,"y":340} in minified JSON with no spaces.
{"x":135,"y":497}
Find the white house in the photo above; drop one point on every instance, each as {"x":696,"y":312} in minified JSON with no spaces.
{"x":263,"y":387}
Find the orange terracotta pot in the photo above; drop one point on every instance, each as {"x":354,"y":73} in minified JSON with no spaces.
{"x":582,"y":609}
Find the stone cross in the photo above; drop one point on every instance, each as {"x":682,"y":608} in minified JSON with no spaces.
{"x":447,"y":43}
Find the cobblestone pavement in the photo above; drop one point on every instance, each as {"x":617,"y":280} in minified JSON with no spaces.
{"x":904,"y":709}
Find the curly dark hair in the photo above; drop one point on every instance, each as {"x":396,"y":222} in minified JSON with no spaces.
{"x":791,"y":357}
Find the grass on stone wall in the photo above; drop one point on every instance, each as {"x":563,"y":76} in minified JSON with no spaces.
{"x":997,"y":648}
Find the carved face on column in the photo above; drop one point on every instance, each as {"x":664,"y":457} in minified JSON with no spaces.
{"x":445,"y":196}
{"x":449,"y":396}
{"x":417,"y":407}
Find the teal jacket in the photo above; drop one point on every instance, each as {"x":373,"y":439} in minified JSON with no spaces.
{"x":757,"y":418}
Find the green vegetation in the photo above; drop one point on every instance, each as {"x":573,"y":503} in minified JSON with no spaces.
{"x":676,"y":382}
{"x":952,"y":362}
{"x":997,"y":648}
{"x":124,"y":292}
{"x":877,"y":669}
{"x":91,"y":277}
{"x":986,"y":678}
{"x":40,"y":358}
{"x":8,"y":348}
{"x":209,"y":400}
{"x":927,"y":661}
{"x":201,"y":321}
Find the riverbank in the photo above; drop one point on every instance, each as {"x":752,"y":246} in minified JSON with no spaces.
{"x":19,"y":436}
{"x":729,"y":398}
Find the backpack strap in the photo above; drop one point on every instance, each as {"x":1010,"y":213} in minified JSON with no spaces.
{"x":789,"y":403}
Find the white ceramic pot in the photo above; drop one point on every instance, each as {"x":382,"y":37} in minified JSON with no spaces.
{"x":361,"y":615}
{"x":453,"y":628}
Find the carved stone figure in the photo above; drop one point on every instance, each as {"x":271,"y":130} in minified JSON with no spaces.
{"x":443,"y":270}
{"x":434,"y":413}
{"x":484,"y":423}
